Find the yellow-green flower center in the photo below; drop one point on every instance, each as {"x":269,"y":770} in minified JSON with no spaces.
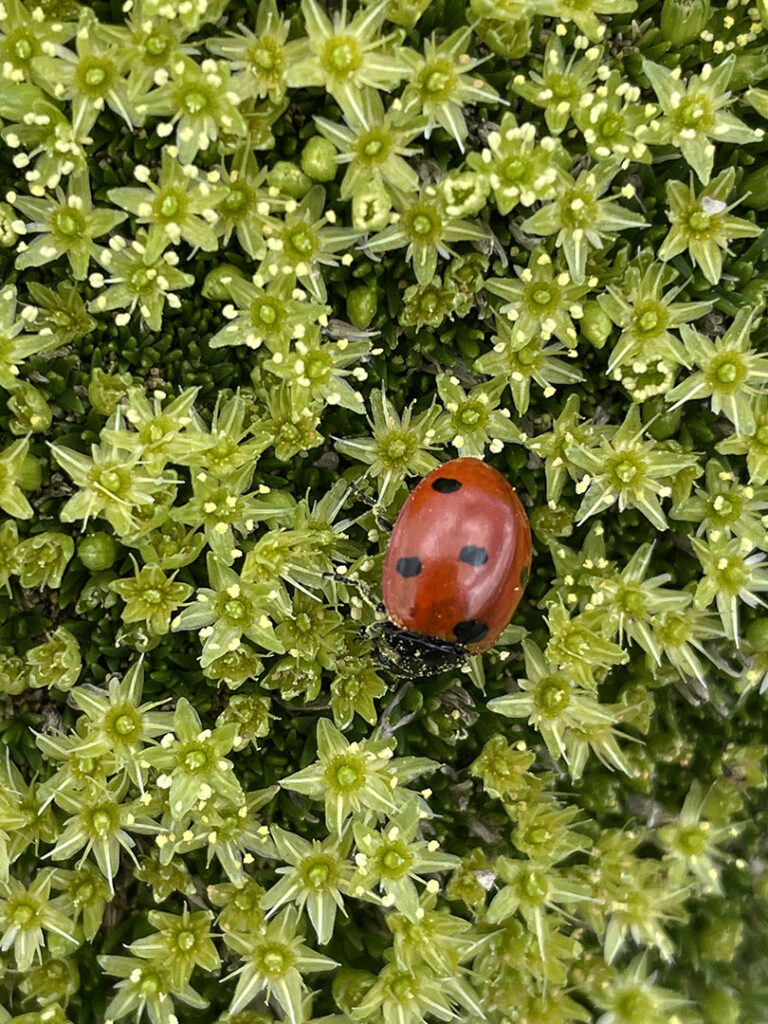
{"x":264,"y":313}
{"x":552,"y":697}
{"x":195,"y":101}
{"x":693,"y":840}
{"x":169,"y":205}
{"x":437,"y":81}
{"x":68,"y":224}
{"x":734,"y":576}
{"x":346,"y":773}
{"x":534,"y":886}
{"x":102,"y":822}
{"x":699,"y":222}
{"x":395,"y":860}
{"x":648,"y":321}
{"x":110,"y":479}
{"x":275,"y":960}
{"x":150,"y":986}
{"x":421,"y":225}
{"x":675,"y":630}
{"x":693,"y":112}
{"x":140,"y":280}
{"x":611,"y":125}
{"x":342,"y":56}
{"x":23,"y":914}
{"x":195,"y":760}
{"x":235,"y":200}
{"x":373,"y":147}
{"x":727,"y":373}
{"x":156,"y":46}
{"x":471,"y":415}
{"x":527,"y":357}
{"x":125,"y":725}
{"x":396,"y":448}
{"x":84,"y":893}
{"x":625,"y":471}
{"x":317,"y":874}
{"x":635,"y":1007}
{"x":404,"y":989}
{"x":302,"y":241}
{"x":235,"y":609}
{"x":23,"y":49}
{"x":263,"y":57}
{"x":513,"y":170}
{"x":95,"y":76}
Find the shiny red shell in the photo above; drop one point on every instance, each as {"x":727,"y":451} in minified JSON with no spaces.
{"x":459,"y":556}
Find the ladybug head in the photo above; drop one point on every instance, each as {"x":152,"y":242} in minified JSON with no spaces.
{"x":411,"y":655}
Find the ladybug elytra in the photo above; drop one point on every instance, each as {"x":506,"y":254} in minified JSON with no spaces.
{"x":455,"y":569}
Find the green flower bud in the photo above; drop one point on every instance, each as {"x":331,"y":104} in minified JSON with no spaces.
{"x":289,"y":179}
{"x":510,"y":39}
{"x":362,"y":303}
{"x":8,"y":236}
{"x":62,"y":946}
{"x":106,"y":390}
{"x":755,"y":189}
{"x":683,"y":20}
{"x":97,"y":551}
{"x":61,"y":10}
{"x":216,"y":281}
{"x":748,"y":69}
{"x":349,"y":988}
{"x":318,"y":159}
{"x":469,"y":347}
{"x":414,"y":699}
{"x":371,"y":208}
{"x":31,"y":412}
{"x":720,"y":939}
{"x":31,"y":474}
{"x":406,"y":12}
{"x":42,"y":559}
{"x":760,"y":886}
{"x":757,"y":635}
{"x":251,"y":712}
{"x":662,"y":421}
{"x":550,"y":523}
{"x":721,"y":1006}
{"x":137,"y":636}
{"x":754,"y":293}
{"x":13,"y":674}
{"x":595,"y":325}
{"x":56,"y":663}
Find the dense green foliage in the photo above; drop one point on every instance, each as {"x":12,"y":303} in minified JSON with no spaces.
{"x":254,"y":254}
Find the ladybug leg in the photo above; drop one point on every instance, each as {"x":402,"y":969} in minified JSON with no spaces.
{"x":364,"y":589}
{"x":381,"y":521}
{"x":386,"y":726}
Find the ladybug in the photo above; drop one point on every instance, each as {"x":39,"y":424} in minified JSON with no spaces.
{"x":455,"y":569}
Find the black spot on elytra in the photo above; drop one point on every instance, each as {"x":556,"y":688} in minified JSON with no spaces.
{"x":524,"y":575}
{"x":470,"y":631}
{"x":446,"y":485}
{"x":409,"y":566}
{"x":473,"y":555}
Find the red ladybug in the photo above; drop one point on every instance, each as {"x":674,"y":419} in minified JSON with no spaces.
{"x":455,"y":569}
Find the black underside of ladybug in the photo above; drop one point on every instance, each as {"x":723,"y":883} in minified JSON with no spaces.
{"x":410,"y":655}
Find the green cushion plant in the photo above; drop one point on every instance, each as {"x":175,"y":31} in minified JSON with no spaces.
{"x":256,"y":257}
